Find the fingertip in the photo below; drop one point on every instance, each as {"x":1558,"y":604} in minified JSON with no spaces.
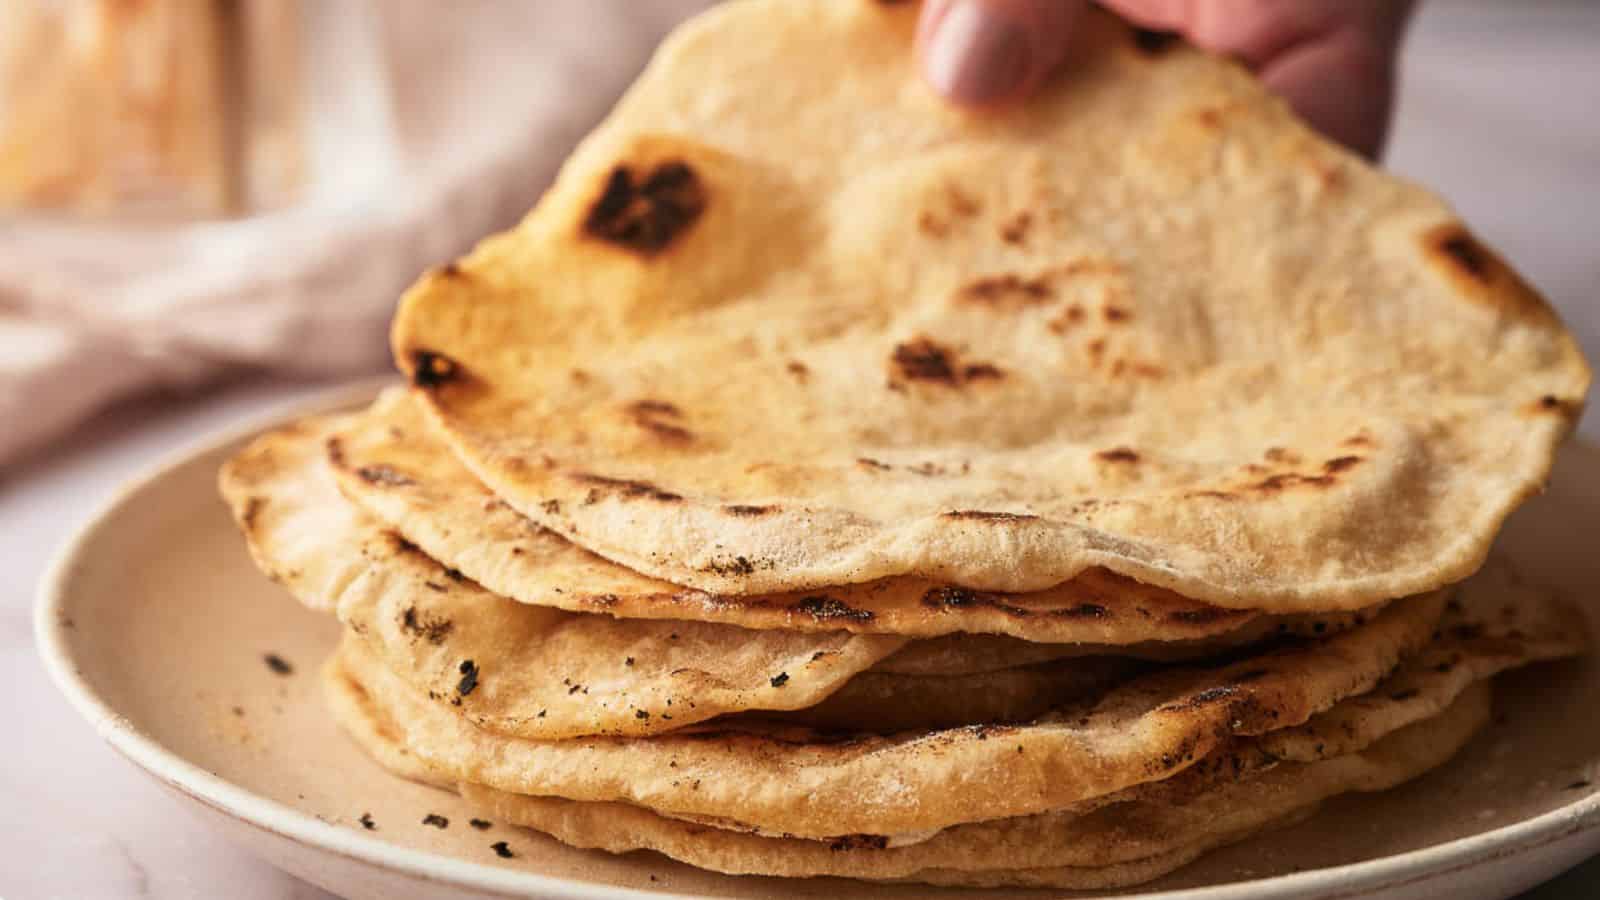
{"x":928,"y":17}
{"x":983,"y":52}
{"x":1356,"y":110}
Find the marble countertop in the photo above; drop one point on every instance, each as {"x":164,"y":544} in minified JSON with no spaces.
{"x":1490,"y":115}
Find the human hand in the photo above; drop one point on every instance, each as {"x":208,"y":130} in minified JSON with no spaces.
{"x":1333,"y":60}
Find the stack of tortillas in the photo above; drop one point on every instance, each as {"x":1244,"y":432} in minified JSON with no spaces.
{"x":826,"y":481}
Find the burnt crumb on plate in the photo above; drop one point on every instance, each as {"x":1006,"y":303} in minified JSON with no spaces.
{"x":277,"y":664}
{"x":480,"y":824}
{"x":780,"y":679}
{"x":502,"y":849}
{"x":367,"y":822}
{"x":436,"y":821}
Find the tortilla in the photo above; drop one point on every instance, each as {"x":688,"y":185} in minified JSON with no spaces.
{"x":1105,"y":845}
{"x":775,"y":330}
{"x":821,"y":784}
{"x":390,"y":463}
{"x":1045,"y":850}
{"x":280,"y":505}
{"x":546,"y":674}
{"x":516,"y":669}
{"x":1496,"y":622}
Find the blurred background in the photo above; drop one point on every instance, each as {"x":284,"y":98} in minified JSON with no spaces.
{"x":209,"y":207}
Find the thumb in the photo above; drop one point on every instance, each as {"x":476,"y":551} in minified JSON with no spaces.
{"x":983,"y":52}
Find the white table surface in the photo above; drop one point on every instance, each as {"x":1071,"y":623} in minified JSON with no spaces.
{"x":1498,"y":111}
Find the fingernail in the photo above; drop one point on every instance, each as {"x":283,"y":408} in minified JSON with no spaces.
{"x":975,"y":56}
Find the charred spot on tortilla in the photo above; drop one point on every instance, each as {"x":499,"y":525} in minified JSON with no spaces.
{"x":646,"y":213}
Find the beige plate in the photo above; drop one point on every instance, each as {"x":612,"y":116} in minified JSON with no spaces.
{"x":157,"y":628}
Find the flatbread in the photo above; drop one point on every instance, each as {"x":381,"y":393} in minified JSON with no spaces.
{"x":377,"y":736}
{"x":1498,"y":622}
{"x":391,"y":463}
{"x":1495,"y":622}
{"x":279,"y":504}
{"x":820,"y":784}
{"x":1105,"y":845}
{"x":775,"y":329}
{"x":1044,"y":850}
{"x":521,"y":670}
{"x":546,"y":674}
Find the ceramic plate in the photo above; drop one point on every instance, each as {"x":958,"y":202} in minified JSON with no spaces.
{"x":160,"y":631}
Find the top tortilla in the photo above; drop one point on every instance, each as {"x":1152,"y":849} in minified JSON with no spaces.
{"x":787,"y":320}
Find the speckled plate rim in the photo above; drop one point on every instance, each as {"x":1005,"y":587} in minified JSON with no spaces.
{"x":52,"y":638}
